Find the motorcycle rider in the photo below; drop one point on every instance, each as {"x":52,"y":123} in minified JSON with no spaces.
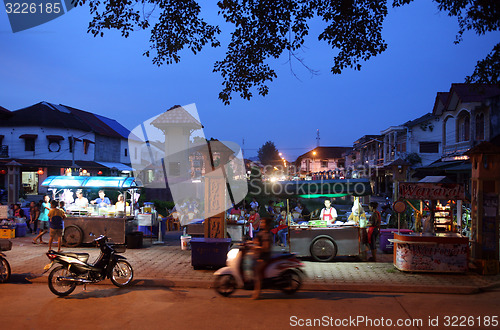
{"x":263,"y":242}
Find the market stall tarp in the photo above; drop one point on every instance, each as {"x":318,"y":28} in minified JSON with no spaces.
{"x":312,"y":188}
{"x":88,"y":182}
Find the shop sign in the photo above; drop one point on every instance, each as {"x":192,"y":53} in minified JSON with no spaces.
{"x":431,"y":191}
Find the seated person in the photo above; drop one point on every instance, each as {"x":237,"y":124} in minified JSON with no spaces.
{"x":281,"y":228}
{"x":102,"y":201}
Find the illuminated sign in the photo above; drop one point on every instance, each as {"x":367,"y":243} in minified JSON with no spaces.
{"x":431,"y":191}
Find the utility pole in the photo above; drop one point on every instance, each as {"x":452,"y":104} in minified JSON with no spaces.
{"x":317,"y":137}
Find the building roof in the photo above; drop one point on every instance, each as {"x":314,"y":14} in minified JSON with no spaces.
{"x":422,"y":119}
{"x":94,"y":122}
{"x":324,"y":153}
{"x":4,"y":112}
{"x":474,"y":92}
{"x":176,"y":116}
{"x":45,"y":114}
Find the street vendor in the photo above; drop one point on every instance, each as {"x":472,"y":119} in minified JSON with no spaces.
{"x":102,"y":201}
{"x":328,"y":213}
{"x":80,"y":201}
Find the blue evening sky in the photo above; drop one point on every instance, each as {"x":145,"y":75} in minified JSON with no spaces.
{"x":59,"y":62}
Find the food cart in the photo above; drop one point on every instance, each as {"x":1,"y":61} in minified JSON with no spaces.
{"x":428,"y":251}
{"x":316,"y":239}
{"x":82,"y":221}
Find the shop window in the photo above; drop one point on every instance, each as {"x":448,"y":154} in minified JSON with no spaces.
{"x":429,"y":147}
{"x":29,"y":144}
{"x":29,"y":141}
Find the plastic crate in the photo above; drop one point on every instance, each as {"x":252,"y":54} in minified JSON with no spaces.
{"x":7,"y":232}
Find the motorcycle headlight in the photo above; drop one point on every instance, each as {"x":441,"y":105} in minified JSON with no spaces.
{"x":232,"y":254}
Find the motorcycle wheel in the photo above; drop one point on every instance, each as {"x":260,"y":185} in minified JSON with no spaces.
{"x":58,"y":287}
{"x":4,"y":270}
{"x":122,"y":274}
{"x":225,"y":285}
{"x":292,"y":281}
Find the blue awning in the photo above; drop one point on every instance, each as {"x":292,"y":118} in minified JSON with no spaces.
{"x":105,"y":182}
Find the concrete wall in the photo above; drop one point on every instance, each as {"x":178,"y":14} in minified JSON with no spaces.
{"x":17,"y":145}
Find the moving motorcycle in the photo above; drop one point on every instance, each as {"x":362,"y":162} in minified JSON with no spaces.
{"x":284,"y":272}
{"x":73,"y":268}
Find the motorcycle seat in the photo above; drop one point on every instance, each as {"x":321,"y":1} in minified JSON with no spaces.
{"x":80,"y":256}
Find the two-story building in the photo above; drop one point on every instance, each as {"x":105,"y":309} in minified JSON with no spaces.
{"x":48,"y":139}
{"x":468,"y":114}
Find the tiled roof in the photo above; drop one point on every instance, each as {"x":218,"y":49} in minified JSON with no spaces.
{"x":96,"y":124}
{"x":46,"y":114}
{"x":43,"y":114}
{"x":176,"y":115}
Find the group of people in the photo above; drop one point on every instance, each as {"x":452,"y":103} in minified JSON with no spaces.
{"x":49,"y":218}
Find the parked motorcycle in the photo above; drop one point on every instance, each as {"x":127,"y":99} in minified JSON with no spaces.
{"x":73,"y":268}
{"x":284,"y":272}
{"x":4,"y":269}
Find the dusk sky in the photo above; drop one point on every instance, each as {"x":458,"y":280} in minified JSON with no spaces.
{"x":59,"y":62}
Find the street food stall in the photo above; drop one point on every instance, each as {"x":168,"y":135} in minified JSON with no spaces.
{"x":98,"y":219}
{"x":316,"y":238}
{"x":446,"y":251}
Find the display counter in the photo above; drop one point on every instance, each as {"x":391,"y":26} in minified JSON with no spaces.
{"x":77,"y":229}
{"x":442,"y":253}
{"x":323,"y":244}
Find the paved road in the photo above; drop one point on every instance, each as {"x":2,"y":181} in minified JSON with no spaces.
{"x":167,"y":265}
{"x":33,"y":306}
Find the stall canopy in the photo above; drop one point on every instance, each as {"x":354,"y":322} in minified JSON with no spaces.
{"x":89,"y":182}
{"x":313,"y":188}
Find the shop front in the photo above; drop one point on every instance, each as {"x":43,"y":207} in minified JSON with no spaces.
{"x":439,"y":247}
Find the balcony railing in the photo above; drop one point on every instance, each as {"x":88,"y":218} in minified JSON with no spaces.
{"x":4,"y":151}
{"x":457,"y":148}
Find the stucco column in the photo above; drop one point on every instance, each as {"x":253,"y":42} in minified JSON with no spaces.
{"x":13,"y":181}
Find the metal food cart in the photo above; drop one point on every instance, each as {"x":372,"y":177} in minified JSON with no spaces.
{"x":81,"y":222}
{"x":327,"y":242}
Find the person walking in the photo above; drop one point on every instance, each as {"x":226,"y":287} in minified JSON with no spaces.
{"x":263,"y":242}
{"x":34,"y":214}
{"x":374,"y":229}
{"x":56,"y":216}
{"x":43,"y":219}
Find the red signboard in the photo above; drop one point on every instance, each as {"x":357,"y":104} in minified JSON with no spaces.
{"x":431,"y":191}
